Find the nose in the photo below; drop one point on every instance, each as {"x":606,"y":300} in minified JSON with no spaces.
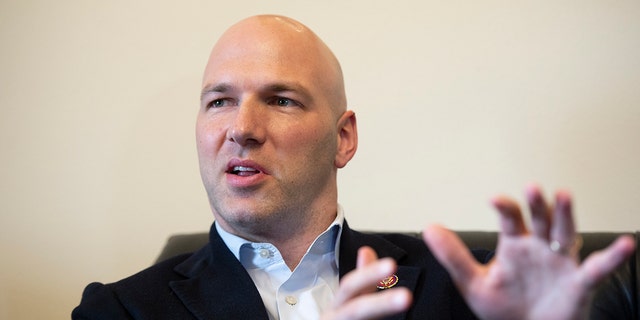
{"x":247,"y":127}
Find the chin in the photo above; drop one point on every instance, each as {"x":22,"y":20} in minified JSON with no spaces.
{"x":246,"y":216}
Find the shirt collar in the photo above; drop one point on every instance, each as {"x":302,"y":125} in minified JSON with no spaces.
{"x":322,"y":244}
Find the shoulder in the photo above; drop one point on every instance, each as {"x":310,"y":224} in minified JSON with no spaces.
{"x":118,"y":300}
{"x":411,"y":244}
{"x":414,"y":245}
{"x":154,"y":277}
{"x":406,"y":249}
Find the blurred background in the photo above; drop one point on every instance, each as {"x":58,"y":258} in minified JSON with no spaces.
{"x":457,"y":101}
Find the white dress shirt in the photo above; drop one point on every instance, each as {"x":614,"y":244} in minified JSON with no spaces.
{"x":303,"y":293}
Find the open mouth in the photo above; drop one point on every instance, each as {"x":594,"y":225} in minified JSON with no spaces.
{"x":243,"y":171}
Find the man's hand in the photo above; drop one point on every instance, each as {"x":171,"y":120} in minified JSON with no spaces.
{"x":535,"y":273}
{"x":358,"y":299}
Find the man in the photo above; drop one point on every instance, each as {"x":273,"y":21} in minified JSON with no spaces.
{"x":272,"y":131}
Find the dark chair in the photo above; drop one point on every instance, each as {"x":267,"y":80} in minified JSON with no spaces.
{"x":617,"y":298}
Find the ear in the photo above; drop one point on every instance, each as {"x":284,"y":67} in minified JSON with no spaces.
{"x":347,"y":138}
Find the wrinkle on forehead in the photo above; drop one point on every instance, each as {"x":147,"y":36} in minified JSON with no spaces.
{"x":281,"y":40}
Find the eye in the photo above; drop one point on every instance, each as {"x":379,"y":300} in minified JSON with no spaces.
{"x":283,"y":102}
{"x":217,"y":103}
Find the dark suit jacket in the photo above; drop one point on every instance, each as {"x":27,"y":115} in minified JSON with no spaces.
{"x":212,"y":284}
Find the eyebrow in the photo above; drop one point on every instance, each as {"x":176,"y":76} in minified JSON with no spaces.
{"x":288,"y":86}
{"x":272,"y":87}
{"x":218,"y":88}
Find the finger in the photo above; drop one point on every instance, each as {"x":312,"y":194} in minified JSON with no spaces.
{"x":511,"y":221}
{"x":452,"y":254}
{"x":366,"y":255}
{"x":540,"y":212}
{"x":363,"y":279}
{"x":600,"y":264}
{"x":563,"y":229}
{"x":373,"y":305}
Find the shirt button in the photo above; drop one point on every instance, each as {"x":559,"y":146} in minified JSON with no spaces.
{"x":291,"y":300}
{"x":264,"y":253}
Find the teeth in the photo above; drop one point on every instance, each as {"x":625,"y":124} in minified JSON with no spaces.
{"x":243,"y":169}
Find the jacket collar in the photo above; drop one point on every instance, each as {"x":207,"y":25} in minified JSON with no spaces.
{"x":217,"y":284}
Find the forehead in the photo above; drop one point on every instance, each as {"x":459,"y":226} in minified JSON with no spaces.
{"x":263,"y":52}
{"x":262,"y":71}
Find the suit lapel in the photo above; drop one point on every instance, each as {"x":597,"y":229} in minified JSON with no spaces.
{"x":217,"y":285}
{"x":351,"y":241}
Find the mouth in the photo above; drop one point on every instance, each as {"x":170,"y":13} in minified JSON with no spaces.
{"x":245,"y":174}
{"x":243,"y":171}
{"x":244,"y":168}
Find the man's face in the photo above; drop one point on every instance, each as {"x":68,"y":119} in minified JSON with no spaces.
{"x":267,"y":132}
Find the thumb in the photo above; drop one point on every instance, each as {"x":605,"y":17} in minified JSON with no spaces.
{"x":452,"y":254}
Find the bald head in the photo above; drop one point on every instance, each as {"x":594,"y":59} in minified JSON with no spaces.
{"x":279,"y":44}
{"x":272,"y":132}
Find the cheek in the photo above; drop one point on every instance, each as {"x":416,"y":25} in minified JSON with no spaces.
{"x":208,"y":138}
{"x":316,"y":144}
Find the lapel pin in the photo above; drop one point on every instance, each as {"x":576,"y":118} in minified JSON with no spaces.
{"x":388,"y":282}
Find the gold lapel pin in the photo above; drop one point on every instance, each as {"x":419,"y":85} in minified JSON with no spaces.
{"x":388,"y":282}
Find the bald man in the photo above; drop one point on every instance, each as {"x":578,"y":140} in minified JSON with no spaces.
{"x":272,"y":131}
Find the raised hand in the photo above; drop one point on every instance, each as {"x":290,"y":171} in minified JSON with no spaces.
{"x":536,"y":273}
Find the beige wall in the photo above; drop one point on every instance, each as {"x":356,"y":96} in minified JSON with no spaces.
{"x":456,"y":101}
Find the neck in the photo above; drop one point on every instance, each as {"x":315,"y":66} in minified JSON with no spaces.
{"x":295,"y":242}
{"x":292,"y":237}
